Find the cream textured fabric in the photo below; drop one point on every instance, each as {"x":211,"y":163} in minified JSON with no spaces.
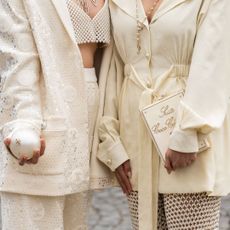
{"x":41,"y":89}
{"x":92,"y":100}
{"x":163,"y":67}
{"x":172,"y":58}
{"x":182,"y":211}
{"x":87,"y":29}
{"x":25,"y":212}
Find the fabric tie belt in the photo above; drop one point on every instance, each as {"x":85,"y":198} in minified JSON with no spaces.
{"x":149,"y":161}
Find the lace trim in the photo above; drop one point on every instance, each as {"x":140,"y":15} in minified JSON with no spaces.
{"x":87,"y":29}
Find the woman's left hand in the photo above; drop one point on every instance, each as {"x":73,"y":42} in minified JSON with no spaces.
{"x":175,"y":160}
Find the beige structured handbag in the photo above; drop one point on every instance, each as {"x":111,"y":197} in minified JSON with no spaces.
{"x":160,"y":119}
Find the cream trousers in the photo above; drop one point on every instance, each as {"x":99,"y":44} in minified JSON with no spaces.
{"x":25,"y":212}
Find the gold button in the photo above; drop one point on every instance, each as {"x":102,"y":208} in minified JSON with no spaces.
{"x":127,"y":70}
{"x":149,"y":84}
{"x":147,"y":55}
{"x":109,"y":162}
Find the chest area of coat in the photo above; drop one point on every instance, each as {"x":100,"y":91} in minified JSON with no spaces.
{"x":178,"y":22}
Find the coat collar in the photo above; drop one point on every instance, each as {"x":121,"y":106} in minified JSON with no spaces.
{"x":63,"y":13}
{"x":129,"y":6}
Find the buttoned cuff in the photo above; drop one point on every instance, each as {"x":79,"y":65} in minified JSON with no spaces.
{"x":184,"y":141}
{"x":114,"y":156}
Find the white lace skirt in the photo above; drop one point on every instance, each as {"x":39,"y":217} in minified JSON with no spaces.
{"x":92,"y":100}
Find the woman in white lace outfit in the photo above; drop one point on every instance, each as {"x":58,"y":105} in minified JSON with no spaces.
{"x":48,"y":108}
{"x":163,"y":47}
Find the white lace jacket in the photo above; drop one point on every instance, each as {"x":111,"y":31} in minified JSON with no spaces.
{"x":42,"y":87}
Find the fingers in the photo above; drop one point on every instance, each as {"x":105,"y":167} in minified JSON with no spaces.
{"x":34,"y":159}
{"x":123,"y":174}
{"x":125,"y":180}
{"x":168,"y":165}
{"x":121,"y":183}
{"x":7,"y":141}
{"x":128,"y":173}
{"x":194,"y":157}
{"x":190,"y":161}
{"x":22,"y":160}
{"x":127,"y":169}
{"x":36,"y":155}
{"x":179,"y":164}
{"x":187,"y":160}
{"x":43,"y":146}
{"x":175,"y":160}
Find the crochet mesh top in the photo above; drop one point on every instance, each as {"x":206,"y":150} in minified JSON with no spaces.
{"x":87,"y":29}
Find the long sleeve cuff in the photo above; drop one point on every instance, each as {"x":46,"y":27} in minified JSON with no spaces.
{"x":114,"y":156}
{"x":184,"y":141}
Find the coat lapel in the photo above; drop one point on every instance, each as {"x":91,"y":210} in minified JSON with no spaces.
{"x":63,"y":13}
{"x":166,"y":6}
{"x":129,"y":7}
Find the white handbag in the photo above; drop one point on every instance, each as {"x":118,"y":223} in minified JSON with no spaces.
{"x":160,"y":119}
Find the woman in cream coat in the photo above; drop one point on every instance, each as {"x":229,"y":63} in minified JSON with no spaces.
{"x":179,"y":45}
{"x":48,"y":87}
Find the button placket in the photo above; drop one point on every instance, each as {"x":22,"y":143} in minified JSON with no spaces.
{"x":148,"y":52}
{"x":127,"y":70}
{"x":148,"y":84}
{"x":109,"y":162}
{"x":148,"y":55}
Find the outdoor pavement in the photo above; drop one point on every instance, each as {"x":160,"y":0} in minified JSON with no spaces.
{"x":110,"y":212}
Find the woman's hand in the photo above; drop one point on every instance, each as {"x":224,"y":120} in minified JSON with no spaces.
{"x":36,"y":154}
{"x":175,"y":160}
{"x":123,"y":174}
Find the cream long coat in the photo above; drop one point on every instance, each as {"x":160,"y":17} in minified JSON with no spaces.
{"x":185,"y":47}
{"x":42,"y":87}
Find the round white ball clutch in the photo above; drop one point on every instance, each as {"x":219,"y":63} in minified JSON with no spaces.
{"x":24,"y":142}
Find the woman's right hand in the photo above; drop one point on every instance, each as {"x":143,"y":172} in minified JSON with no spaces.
{"x":123,"y":174}
{"x":36,"y":153}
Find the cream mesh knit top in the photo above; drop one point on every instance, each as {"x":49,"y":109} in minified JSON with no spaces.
{"x":87,"y":29}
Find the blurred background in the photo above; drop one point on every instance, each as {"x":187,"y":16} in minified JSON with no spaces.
{"x":110,"y":212}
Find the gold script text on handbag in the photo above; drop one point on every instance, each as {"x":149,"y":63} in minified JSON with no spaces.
{"x":160,"y":120}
